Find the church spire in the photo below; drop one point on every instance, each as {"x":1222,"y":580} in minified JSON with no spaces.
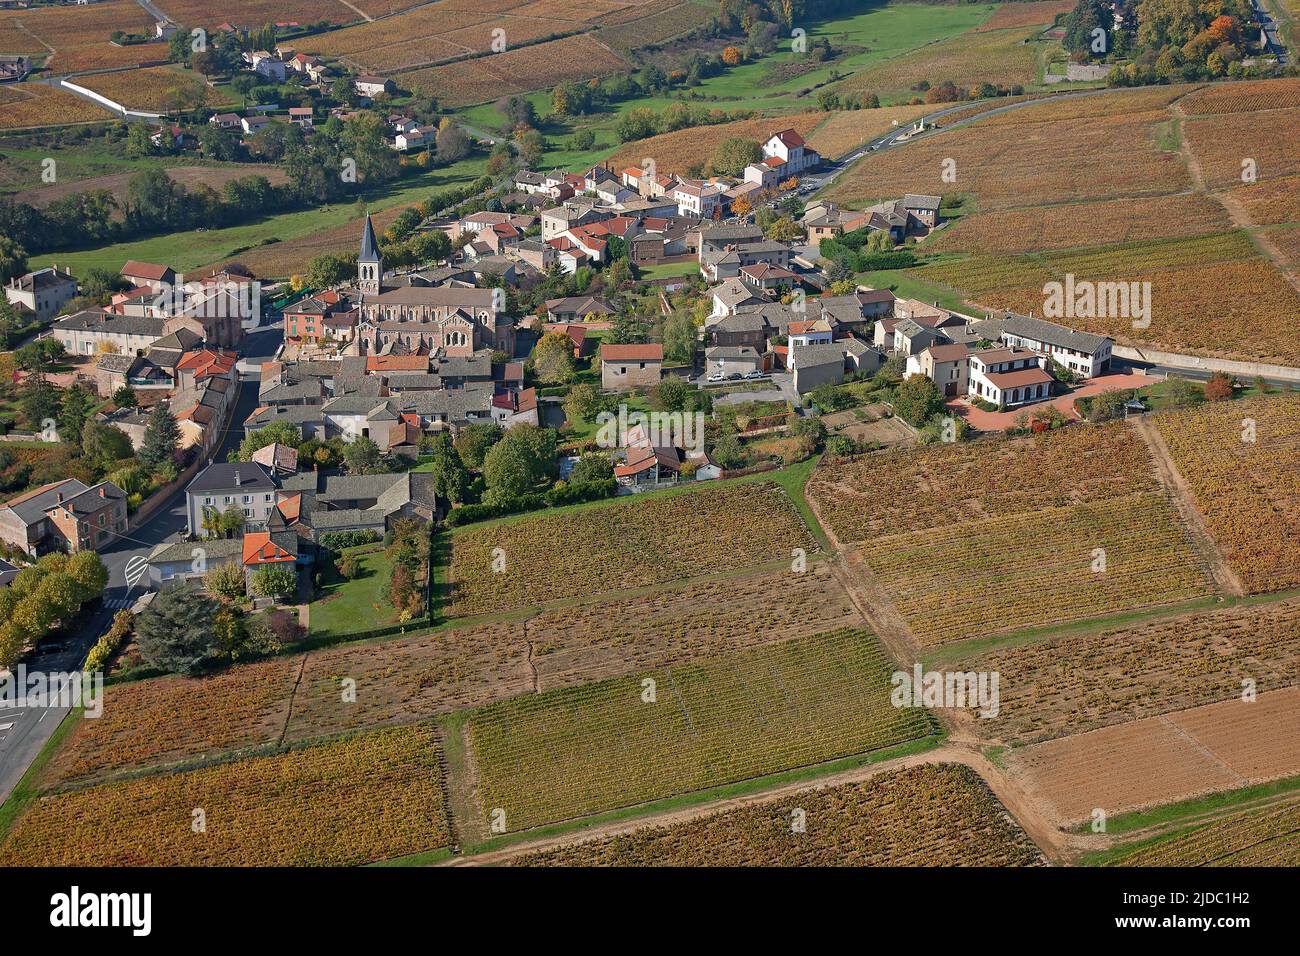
{"x":370,"y":265}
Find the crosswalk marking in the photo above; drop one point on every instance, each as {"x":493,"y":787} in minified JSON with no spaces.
{"x":118,"y":603}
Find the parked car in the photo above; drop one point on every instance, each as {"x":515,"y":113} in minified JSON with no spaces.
{"x":716,"y":377}
{"x":754,"y":374}
{"x":734,"y":377}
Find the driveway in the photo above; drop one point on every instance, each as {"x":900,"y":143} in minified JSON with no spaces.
{"x":999,"y":421}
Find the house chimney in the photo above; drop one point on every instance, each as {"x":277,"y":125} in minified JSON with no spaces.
{"x":236,"y":477}
{"x":59,"y":500}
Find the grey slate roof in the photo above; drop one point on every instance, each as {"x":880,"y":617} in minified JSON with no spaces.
{"x":96,"y":320}
{"x":184,"y":550}
{"x":369,"y":248}
{"x":1052,"y":334}
{"x":220,"y":476}
{"x":33,"y":509}
{"x":828,"y":353}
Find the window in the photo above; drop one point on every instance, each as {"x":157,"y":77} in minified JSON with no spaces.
{"x":248,"y":512}
{"x":268,"y":498}
{"x":248,"y":499}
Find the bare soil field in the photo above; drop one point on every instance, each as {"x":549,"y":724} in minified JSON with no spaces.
{"x":1165,"y":759}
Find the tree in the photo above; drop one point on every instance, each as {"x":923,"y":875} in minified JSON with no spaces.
{"x":584,"y":139}
{"x":13,"y":259}
{"x":125,"y":397}
{"x":226,"y":580}
{"x":1219,"y":387}
{"x":104,"y":444}
{"x":524,"y":457}
{"x":917,"y":399}
{"x":328,"y":270}
{"x":274,"y":581}
{"x":553,"y":358}
{"x":347,"y":565}
{"x":74,"y":411}
{"x":362,"y":457}
{"x":39,"y":400}
{"x":592,"y":466}
{"x":449,"y":475}
{"x":160,"y":437}
{"x":679,"y":338}
{"x":284,"y":433}
{"x":670,"y":394}
{"x":175,"y":632}
{"x":87,"y":569}
{"x":582,"y":403}
{"x":728,"y":452}
{"x":451,"y":141}
{"x":733,"y":154}
{"x":232,"y":520}
{"x":474,"y":441}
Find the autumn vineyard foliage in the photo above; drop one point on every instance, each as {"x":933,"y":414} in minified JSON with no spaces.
{"x":946,"y":484}
{"x":1029,"y":570}
{"x":933,"y":815}
{"x":569,"y":753}
{"x":1246,"y":489}
{"x":1078,"y":683}
{"x":355,"y":800}
{"x":620,"y":545}
{"x":1262,"y":836}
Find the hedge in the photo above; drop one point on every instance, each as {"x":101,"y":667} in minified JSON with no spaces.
{"x":563,"y":494}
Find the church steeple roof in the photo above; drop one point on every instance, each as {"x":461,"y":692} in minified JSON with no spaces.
{"x":369,"y":248}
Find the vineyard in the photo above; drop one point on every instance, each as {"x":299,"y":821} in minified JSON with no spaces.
{"x":155,"y":88}
{"x":1245,"y":97}
{"x":33,"y":104}
{"x":569,"y":753}
{"x":1036,"y":229}
{"x":409,"y":679}
{"x":517,"y":70}
{"x":1246,"y":489}
{"x":147,"y":723}
{"x":676,"y":151}
{"x":619,"y":545}
{"x":845,"y":130}
{"x":1071,"y":685}
{"x":1271,"y":201}
{"x":1165,"y":759}
{"x":1263,"y":836}
{"x":1039,"y":159}
{"x":968,"y":59}
{"x":1245,"y":293}
{"x":1027,"y":570}
{"x":945,"y":484}
{"x":654,"y":23}
{"x":356,"y":800}
{"x":254,"y":13}
{"x":1271,"y":138}
{"x":933,"y":815}
{"x":1031,"y":14}
{"x":79,"y":39}
{"x":430,"y":34}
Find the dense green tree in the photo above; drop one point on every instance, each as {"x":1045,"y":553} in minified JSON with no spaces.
{"x":175,"y":632}
{"x":160,"y":437}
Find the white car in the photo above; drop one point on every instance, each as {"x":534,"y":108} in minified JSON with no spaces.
{"x":754,"y":374}
{"x":716,"y":377}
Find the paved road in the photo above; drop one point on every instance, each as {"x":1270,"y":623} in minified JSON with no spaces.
{"x":23,"y":732}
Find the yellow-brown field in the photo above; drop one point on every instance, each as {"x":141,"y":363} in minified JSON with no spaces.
{"x":675,"y":152}
{"x":157,"y":88}
{"x":34,"y":104}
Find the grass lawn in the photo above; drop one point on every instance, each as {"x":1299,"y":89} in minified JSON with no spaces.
{"x":581,"y":431}
{"x":908,"y":285}
{"x":670,"y":269}
{"x":349,"y":607}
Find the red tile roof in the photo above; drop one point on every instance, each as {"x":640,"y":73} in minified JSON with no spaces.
{"x":1019,"y":378}
{"x":260,"y":549}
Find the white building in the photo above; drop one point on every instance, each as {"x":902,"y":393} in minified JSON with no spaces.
{"x":1008,"y":377}
{"x":1083,"y":353}
{"x":796,"y":155}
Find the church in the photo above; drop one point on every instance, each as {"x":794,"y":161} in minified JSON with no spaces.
{"x":418,"y":319}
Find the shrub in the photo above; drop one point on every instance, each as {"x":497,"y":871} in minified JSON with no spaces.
{"x":109,"y":641}
{"x":337,"y":541}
